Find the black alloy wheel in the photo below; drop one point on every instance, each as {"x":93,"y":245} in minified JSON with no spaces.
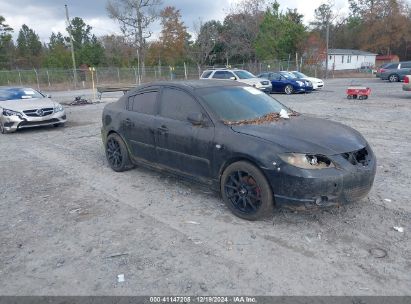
{"x":117,"y":153}
{"x":246,"y":191}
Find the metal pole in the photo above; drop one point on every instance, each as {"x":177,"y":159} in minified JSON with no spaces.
{"x":20,"y":78}
{"x":288,"y":64}
{"x":185,"y":70}
{"x":71,"y":47}
{"x":37,"y":77}
{"x":92,"y":81}
{"x":48,"y":78}
{"x":138,"y":66}
{"x":327,"y":38}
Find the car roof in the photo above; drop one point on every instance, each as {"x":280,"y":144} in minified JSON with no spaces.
{"x":16,"y":88}
{"x":194,"y":84}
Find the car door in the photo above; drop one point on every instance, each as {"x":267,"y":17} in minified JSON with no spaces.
{"x":138,"y":124}
{"x":278,"y":85}
{"x":405,"y":69}
{"x":180,"y":145}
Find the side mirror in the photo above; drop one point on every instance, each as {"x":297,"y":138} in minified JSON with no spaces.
{"x":197,"y":119}
{"x":233,"y":78}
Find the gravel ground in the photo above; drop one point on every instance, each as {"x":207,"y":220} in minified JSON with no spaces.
{"x":69,"y":225}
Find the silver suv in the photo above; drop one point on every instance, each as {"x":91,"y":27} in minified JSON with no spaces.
{"x":238,"y":75}
{"x":394,"y":72}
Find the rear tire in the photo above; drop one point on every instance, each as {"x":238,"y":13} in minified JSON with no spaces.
{"x":393,"y":78}
{"x":246,"y":191}
{"x":288,"y":89}
{"x":117,"y":153}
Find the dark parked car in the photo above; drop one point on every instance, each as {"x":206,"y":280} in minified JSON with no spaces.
{"x":394,"y":72}
{"x":287,"y":83}
{"x":240,"y":141}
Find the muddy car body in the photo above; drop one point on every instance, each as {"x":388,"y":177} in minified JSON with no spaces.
{"x":215,"y":133}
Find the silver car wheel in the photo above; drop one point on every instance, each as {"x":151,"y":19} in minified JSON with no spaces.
{"x":394,"y":78}
{"x":288,"y":89}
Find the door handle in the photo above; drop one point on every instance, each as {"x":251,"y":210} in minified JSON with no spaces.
{"x":128,"y":123}
{"x":163,"y":129}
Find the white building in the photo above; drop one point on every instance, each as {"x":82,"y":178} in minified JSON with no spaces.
{"x":346,"y":59}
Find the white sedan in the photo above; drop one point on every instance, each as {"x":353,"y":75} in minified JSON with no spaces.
{"x":317,"y":83}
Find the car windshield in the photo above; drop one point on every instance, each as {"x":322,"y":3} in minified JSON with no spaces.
{"x":18,"y":94}
{"x":244,"y":74}
{"x":288,"y":75}
{"x":234,"y":104}
{"x":299,"y":75}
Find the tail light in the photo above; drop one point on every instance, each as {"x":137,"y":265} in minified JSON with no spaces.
{"x":406,"y":79}
{"x":382,"y":70}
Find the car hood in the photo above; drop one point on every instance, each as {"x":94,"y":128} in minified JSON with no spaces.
{"x":303,"y":134}
{"x":312,"y":79}
{"x":252,"y":81}
{"x":27,"y":104}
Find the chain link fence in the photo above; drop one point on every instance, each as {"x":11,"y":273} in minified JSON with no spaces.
{"x":63,"y":79}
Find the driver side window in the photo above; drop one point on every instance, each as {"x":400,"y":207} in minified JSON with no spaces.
{"x":274,"y":76}
{"x":177,"y":104}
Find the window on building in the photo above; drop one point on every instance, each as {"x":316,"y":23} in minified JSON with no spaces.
{"x":342,"y":59}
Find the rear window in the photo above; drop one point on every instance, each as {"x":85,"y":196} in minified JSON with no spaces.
{"x":392,"y":66}
{"x":206,"y":74}
{"x":143,"y":103}
{"x":406,"y":65}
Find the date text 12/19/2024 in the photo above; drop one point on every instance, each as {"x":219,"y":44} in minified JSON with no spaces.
{"x":198,"y":299}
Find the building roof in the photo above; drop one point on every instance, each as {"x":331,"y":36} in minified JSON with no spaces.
{"x":348,"y":52}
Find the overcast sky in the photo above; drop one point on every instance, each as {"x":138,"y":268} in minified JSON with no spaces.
{"x":46,"y":16}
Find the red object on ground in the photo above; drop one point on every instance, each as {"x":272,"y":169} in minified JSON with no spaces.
{"x":359,"y":92}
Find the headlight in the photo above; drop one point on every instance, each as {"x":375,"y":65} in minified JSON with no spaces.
{"x":306,"y":161}
{"x":58,"y":108}
{"x":300,"y":83}
{"x":7,"y":112}
{"x":258,"y":85}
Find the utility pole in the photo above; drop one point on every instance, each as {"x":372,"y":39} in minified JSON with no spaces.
{"x":327,"y":38}
{"x":72,"y":47}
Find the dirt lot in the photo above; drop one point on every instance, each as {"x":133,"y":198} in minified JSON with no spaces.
{"x":69,"y":224}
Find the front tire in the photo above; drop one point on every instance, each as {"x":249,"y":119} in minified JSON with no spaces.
{"x":288,"y":89}
{"x":117,"y":153}
{"x":246,"y":191}
{"x":393,"y":78}
{"x":2,"y":130}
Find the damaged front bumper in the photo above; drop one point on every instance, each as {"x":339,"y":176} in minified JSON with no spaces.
{"x":13,"y":123}
{"x":304,"y":189}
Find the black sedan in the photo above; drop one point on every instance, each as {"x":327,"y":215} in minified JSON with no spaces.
{"x":240,"y":141}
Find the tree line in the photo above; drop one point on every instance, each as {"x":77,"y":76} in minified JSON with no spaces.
{"x":252,"y":31}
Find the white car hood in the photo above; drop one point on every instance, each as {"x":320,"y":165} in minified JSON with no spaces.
{"x":314,"y":80}
{"x":252,"y":81}
{"x":27,"y":104}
